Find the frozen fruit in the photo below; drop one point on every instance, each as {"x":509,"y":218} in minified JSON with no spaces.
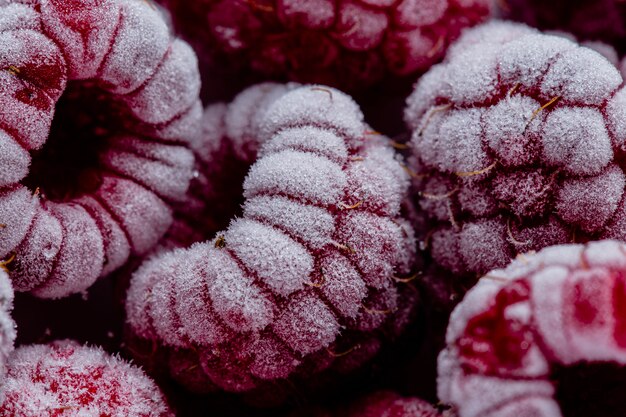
{"x":224,"y":151}
{"x":347,"y":43}
{"x":545,"y":337}
{"x":66,"y":379}
{"x":390,"y":404}
{"x":99,"y":103}
{"x":596,"y":20}
{"x":7,"y":325}
{"x":517,"y":141}
{"x":305,"y":278}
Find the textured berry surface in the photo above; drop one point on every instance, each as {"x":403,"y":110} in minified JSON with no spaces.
{"x":305,"y":278}
{"x":603,"y":20}
{"x":346,"y":43}
{"x":519,"y":330}
{"x":518,"y":142}
{"x":66,"y":379}
{"x":74,"y":208}
{"x":7,"y":325}
{"x":224,"y":151}
{"x":390,"y":404}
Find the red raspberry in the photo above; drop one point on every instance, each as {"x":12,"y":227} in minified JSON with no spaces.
{"x":304,"y":279}
{"x":7,"y":325}
{"x":346,"y":43}
{"x":544,"y":337}
{"x":66,"y":379}
{"x":76,"y":208}
{"x":602,"y":20}
{"x":518,"y":138}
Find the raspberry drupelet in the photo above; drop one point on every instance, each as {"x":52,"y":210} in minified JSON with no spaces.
{"x":7,"y":324}
{"x":544,"y":337}
{"x":518,"y":141}
{"x":308,"y":277}
{"x":345,"y":43}
{"x":99,"y":105}
{"x":65,"y":379}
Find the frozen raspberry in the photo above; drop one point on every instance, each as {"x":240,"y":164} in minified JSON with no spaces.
{"x":66,"y":379}
{"x":7,"y":325}
{"x":518,"y":140}
{"x":99,"y":102}
{"x":601,"y":20}
{"x":545,"y":337}
{"x":224,"y":152}
{"x":346,"y":43}
{"x":305,"y":278}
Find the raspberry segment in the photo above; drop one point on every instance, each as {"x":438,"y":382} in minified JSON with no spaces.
{"x":7,"y":325}
{"x":518,"y":140}
{"x":73,"y":207}
{"x":306,"y":274}
{"x":529,"y":339}
{"x":66,"y":379}
{"x":347,"y":43}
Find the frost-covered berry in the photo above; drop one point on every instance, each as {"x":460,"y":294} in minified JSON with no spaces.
{"x":517,"y":141}
{"x":346,"y":43}
{"x":99,"y":102}
{"x":224,"y":151}
{"x":7,"y":325}
{"x":66,"y":379}
{"x":596,"y":20}
{"x":304,"y":279}
{"x":390,"y":404}
{"x":545,"y":337}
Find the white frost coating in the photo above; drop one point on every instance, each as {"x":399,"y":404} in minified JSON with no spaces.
{"x":14,"y":160}
{"x":416,"y":13}
{"x":429,"y":87}
{"x":581,"y":76}
{"x":473,"y":75}
{"x":510,"y":129}
{"x":7,"y":325}
{"x":496,"y":32}
{"x":577,"y":139}
{"x":616,"y":118}
{"x":456,"y":144}
{"x":15,"y":16}
{"x":245,"y":114}
{"x":298,"y":175}
{"x":314,"y":225}
{"x":308,"y":139}
{"x":527,"y":59}
{"x":578,"y":199}
{"x":318,"y":106}
{"x":278,"y":260}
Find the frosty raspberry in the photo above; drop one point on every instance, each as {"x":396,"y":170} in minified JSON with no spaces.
{"x":517,"y":140}
{"x":66,"y":379}
{"x":543,"y":337}
{"x":305,"y":278}
{"x":99,"y":101}
{"x":7,"y":325}
{"x":347,"y":43}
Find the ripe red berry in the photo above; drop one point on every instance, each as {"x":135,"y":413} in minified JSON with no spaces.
{"x":99,"y":101}
{"x":305,"y":278}
{"x":544,"y":337}
{"x":517,"y":140}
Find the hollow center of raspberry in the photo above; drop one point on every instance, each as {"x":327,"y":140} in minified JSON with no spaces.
{"x":591,"y":389}
{"x":67,"y":165}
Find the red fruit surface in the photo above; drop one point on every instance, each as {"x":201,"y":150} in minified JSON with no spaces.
{"x":304,"y":279}
{"x":599,"y":20}
{"x":66,"y":379}
{"x":346,"y":43}
{"x":528,"y":339}
{"x":7,"y":325}
{"x":518,"y":142}
{"x":390,"y":404}
{"x":99,"y":103}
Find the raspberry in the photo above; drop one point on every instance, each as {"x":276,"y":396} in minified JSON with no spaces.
{"x":347,"y":43}
{"x":66,"y":379}
{"x":517,"y":140}
{"x":390,"y":404}
{"x":224,"y":152}
{"x":7,"y":325}
{"x":544,"y":337}
{"x":76,"y":208}
{"x":304,"y":279}
{"x":597,"y":20}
